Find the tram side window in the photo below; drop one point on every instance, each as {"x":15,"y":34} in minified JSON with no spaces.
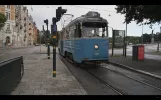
{"x":77,"y":31}
{"x":67,"y":33}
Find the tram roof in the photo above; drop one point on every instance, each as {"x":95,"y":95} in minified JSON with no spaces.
{"x":86,"y":19}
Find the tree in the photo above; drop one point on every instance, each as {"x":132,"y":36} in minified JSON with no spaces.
{"x":3,"y":19}
{"x":146,"y":38}
{"x":138,"y":13}
{"x":38,"y":36}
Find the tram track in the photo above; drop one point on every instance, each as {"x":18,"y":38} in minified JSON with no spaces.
{"x":135,"y":79}
{"x":99,"y":79}
{"x":111,"y":86}
{"x":102,"y":81}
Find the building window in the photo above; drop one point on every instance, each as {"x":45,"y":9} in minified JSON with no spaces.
{"x":8,"y":15}
{"x":8,"y":26}
{"x":8,"y":6}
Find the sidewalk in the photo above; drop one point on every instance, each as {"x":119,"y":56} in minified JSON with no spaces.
{"x":38,"y":78}
{"x":147,"y":66}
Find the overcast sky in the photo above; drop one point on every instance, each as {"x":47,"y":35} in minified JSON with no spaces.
{"x":41,"y":12}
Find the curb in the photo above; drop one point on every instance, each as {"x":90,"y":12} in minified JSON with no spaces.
{"x":16,"y":47}
{"x":139,"y":71}
{"x":42,"y":52}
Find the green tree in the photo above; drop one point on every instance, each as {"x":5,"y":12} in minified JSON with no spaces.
{"x":3,"y":19}
{"x":38,"y":36}
{"x":146,"y":38}
{"x":138,"y":13}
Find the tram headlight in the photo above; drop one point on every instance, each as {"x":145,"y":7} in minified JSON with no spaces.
{"x":96,"y":46}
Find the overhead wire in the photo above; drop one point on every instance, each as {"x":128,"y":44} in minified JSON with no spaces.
{"x":92,"y":8}
{"x":84,"y":8}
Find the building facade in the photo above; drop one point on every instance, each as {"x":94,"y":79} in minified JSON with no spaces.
{"x":19,"y":29}
{"x":35,"y":34}
{"x":30,"y":30}
{"x":8,"y":32}
{"x":21,"y":25}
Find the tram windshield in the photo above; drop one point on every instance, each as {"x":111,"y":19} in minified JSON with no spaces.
{"x":94,"y":29}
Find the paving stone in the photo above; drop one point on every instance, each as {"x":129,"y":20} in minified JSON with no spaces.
{"x":38,"y":79}
{"x":40,"y":92}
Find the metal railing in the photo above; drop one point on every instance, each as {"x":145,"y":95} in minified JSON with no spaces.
{"x":11,"y":72}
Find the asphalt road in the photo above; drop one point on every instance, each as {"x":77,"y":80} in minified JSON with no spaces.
{"x":6,"y":54}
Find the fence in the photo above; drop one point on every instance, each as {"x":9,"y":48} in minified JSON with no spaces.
{"x":11,"y":72}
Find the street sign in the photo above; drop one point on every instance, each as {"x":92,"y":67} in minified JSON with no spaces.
{"x":118,"y":38}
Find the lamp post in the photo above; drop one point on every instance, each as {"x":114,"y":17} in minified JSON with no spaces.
{"x":48,"y":40}
{"x":142,"y":34}
{"x":126,"y":33}
{"x":112,"y":39}
{"x":158,"y":41}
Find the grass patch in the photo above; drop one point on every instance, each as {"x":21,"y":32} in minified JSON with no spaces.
{"x":116,"y":55}
{"x":154,"y":52}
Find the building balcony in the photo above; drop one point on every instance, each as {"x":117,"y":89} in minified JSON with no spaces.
{"x":8,"y":31}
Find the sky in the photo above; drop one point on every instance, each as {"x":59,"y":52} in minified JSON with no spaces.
{"x":115,"y":20}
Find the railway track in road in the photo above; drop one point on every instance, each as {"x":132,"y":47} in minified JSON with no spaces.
{"x":99,"y":79}
{"x":102,"y":81}
{"x":136,"y":79}
{"x":118,"y":91}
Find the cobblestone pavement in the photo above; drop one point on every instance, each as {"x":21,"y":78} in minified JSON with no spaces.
{"x":38,"y":79}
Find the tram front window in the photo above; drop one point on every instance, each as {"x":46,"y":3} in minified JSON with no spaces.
{"x":94,"y":29}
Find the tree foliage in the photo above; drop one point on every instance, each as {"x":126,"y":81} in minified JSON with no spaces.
{"x":139,"y":13}
{"x":147,"y":37}
{"x":3,"y":19}
{"x":134,"y":39}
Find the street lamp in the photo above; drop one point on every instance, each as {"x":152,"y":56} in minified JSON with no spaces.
{"x":112,"y":39}
{"x":126,"y":32}
{"x":158,"y":40}
{"x":142,"y":34}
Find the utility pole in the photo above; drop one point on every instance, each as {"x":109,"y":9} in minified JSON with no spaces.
{"x":142,"y":34}
{"x":113,"y":39}
{"x":126,"y":32}
{"x":48,"y":40}
{"x":158,"y":40}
